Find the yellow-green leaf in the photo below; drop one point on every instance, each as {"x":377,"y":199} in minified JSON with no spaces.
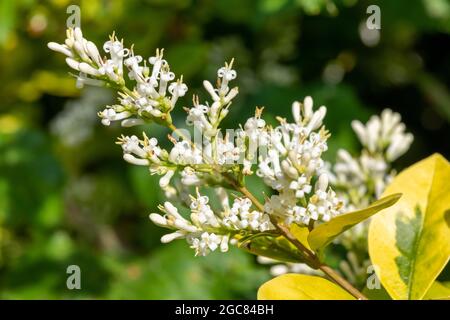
{"x":301,"y":234}
{"x":301,"y":287}
{"x":437,"y":291}
{"x":323,"y":234}
{"x":410,"y":241}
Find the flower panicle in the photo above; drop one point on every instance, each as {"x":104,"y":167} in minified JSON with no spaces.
{"x":205,"y":231}
{"x":286,"y":157}
{"x":155,"y":91}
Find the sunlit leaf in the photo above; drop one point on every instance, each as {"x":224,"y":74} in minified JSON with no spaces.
{"x":410,"y":241}
{"x":301,"y":287}
{"x":301,"y":233}
{"x":437,"y":291}
{"x":323,"y":234}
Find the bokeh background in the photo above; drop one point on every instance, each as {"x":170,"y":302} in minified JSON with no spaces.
{"x":66,"y":196}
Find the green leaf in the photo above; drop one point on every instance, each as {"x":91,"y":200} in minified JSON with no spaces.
{"x":278,"y":248}
{"x":376,"y":293}
{"x":323,"y":234}
{"x":410,"y":241}
{"x":437,"y":291}
{"x":301,"y":287}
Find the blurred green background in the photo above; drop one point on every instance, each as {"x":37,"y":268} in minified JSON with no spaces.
{"x":66,"y":196}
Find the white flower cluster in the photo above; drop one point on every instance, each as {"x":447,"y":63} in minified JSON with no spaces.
{"x":147,"y":152}
{"x":147,"y":101}
{"x":240,"y":216}
{"x":288,"y":158}
{"x":206,"y":231}
{"x":292,"y":165}
{"x":364,"y":178}
{"x":207,"y":117}
{"x":361,"y":180}
{"x":384,"y":135}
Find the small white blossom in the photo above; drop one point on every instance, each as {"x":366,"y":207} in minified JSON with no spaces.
{"x":189,"y":177}
{"x":301,"y":186}
{"x":206,"y":243}
{"x":384,"y":134}
{"x":206,"y":230}
{"x":226,"y":74}
{"x":240,"y":216}
{"x":184,"y":153}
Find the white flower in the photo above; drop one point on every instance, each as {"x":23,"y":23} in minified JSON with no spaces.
{"x":226,"y":74}
{"x":293,"y":159}
{"x":365,"y":177}
{"x":132,"y":145}
{"x":294,"y":153}
{"x":165,"y":180}
{"x":281,"y":205}
{"x":117,"y":51}
{"x":172,"y":219}
{"x":256,"y":134}
{"x":142,"y":152}
{"x":384,"y":134}
{"x":202,"y":213}
{"x":157,"y":61}
{"x":206,"y":243}
{"x":173,"y":236}
{"x":301,"y":186}
{"x":241,"y":217}
{"x":206,"y":230}
{"x":197,"y":117}
{"x":177,"y":89}
{"x":136,"y":71}
{"x":299,"y":215}
{"x":399,"y":145}
{"x":186,"y":154}
{"x":227,"y":152}
{"x":107,"y":116}
{"x":189,"y":177}
{"x":316,"y":119}
{"x":61,"y":48}
{"x":165,"y":76}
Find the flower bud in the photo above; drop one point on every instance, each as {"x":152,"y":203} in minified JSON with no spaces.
{"x":158,"y":219}
{"x":172,"y":236}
